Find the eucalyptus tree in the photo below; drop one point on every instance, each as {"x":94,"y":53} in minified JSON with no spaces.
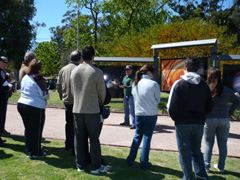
{"x":95,"y":8}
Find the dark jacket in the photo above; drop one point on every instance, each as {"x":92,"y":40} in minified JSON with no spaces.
{"x":3,"y":89}
{"x":220,"y":104}
{"x":190,"y":100}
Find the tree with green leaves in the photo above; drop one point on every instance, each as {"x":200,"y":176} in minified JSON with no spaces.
{"x":16,"y":31}
{"x":213,"y":11}
{"x":48,"y":53}
{"x":65,"y":36}
{"x":202,"y":9}
{"x":95,"y":7}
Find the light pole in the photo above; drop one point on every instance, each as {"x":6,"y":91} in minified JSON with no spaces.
{"x":78,"y":44}
{"x":78,"y":30}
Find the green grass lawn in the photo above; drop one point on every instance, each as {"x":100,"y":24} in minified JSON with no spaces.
{"x":59,"y":164}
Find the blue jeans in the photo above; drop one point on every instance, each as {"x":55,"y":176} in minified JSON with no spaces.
{"x":189,"y":138}
{"x":144,"y":129}
{"x":128,"y":104}
{"x":220,"y":128}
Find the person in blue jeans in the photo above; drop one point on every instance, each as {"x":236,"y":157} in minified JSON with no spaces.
{"x":217,"y":123}
{"x":128,"y":101}
{"x":146,"y":95}
{"x":189,"y":102}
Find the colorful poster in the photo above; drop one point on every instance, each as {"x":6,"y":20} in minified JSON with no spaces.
{"x":231,"y":75}
{"x":171,"y":71}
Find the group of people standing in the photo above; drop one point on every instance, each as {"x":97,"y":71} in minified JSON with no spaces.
{"x":198,"y":108}
{"x":81,"y":87}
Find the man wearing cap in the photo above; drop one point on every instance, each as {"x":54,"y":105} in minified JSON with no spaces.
{"x":128,"y":103}
{"x":5,"y":87}
{"x":64,"y":91}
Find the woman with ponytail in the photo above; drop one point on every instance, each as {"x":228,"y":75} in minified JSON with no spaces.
{"x":146,"y":95}
{"x":217,"y":122}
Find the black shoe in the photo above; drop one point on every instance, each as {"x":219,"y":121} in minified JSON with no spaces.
{"x":67,"y":147}
{"x":5,"y":133}
{"x":133,"y":127}
{"x":124,"y":124}
{"x":2,"y":141}
{"x":146,"y":167}
{"x":2,"y":144}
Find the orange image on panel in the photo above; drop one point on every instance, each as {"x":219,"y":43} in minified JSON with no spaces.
{"x":171,"y":71}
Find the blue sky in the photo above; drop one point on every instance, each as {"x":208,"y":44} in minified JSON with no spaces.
{"x":51,"y":13}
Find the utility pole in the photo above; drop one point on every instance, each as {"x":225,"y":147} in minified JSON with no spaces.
{"x":78,"y":44}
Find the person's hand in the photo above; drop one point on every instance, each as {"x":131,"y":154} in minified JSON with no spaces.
{"x":114,"y":82}
{"x":122,"y":86}
{"x":10,"y":88}
{"x":9,"y":76}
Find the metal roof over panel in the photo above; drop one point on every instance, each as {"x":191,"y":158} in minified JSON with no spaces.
{"x":123,"y":59}
{"x":229,"y":57}
{"x":185,"y":44}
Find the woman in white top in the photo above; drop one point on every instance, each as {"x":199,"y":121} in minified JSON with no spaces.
{"x":31,"y":106}
{"x":146,"y":95}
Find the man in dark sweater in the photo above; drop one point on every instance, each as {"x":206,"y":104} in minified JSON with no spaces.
{"x":189,"y":102}
{"x":5,"y":87}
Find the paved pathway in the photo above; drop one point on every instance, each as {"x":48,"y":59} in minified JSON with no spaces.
{"x":114,"y":134}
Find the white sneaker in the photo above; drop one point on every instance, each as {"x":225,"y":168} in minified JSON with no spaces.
{"x":216,"y":167}
{"x":80,"y":170}
{"x":101,"y":169}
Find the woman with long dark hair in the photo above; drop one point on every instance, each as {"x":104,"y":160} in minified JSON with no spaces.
{"x":217,"y":123}
{"x":146,"y":95}
{"x":31,"y":106}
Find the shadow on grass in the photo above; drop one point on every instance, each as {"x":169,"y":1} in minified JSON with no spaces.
{"x":3,"y":155}
{"x":120,"y":170}
{"x":59,"y":157}
{"x":16,"y":147}
{"x":215,"y":175}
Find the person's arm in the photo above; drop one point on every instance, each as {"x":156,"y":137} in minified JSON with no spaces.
{"x":129,"y":85}
{"x":209,"y":101}
{"x":4,"y":84}
{"x":108,"y":97}
{"x":44,"y":94}
{"x":157,"y":93}
{"x":59,"y":85}
{"x":22,"y":73}
{"x":235,"y":100}
{"x":101,"y":88}
{"x":174,"y":101}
